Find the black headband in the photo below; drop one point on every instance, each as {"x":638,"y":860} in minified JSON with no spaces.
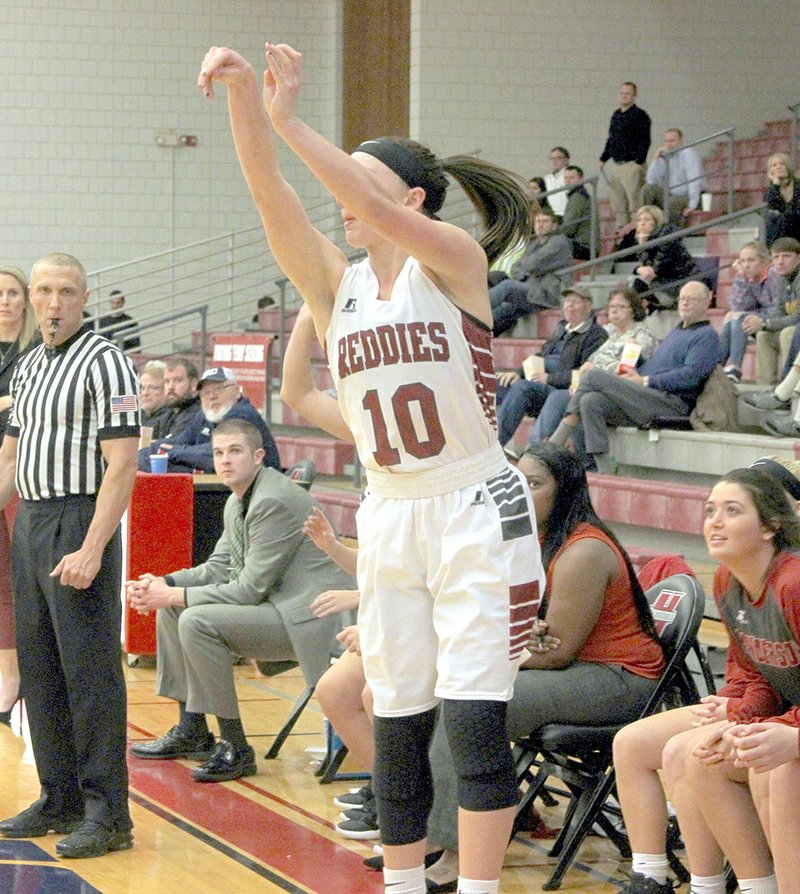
{"x":407,"y":167}
{"x":789,"y":482}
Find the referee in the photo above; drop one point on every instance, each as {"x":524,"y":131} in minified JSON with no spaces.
{"x":71,"y":448}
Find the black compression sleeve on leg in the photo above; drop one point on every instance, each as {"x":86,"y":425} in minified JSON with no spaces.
{"x":476,"y":733}
{"x":402,"y":776}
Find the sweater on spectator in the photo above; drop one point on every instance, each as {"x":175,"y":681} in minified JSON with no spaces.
{"x":682,"y":362}
{"x":760,"y":298}
{"x":628,"y":136}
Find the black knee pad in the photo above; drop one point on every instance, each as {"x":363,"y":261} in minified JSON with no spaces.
{"x":476,"y":733}
{"x":402,"y":780}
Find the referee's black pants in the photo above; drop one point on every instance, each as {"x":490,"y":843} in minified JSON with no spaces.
{"x":70,"y":668}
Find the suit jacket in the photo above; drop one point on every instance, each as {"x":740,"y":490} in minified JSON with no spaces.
{"x":281,"y":565}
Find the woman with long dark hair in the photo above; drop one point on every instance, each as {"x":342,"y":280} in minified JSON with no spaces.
{"x":448,"y":562}
{"x":608,"y":659}
{"x":750,"y":528}
{"x":748,"y":768}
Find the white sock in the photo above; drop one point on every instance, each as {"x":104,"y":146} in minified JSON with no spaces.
{"x":784,"y":389}
{"x":707,"y":884}
{"x":652,"y":866}
{"x":766,"y":885}
{"x":404,"y":881}
{"x":476,"y":886}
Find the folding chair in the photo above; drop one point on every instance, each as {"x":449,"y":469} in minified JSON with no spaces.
{"x":581,"y":756}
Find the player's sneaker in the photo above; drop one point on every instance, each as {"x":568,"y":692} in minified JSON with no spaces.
{"x":356,"y":797}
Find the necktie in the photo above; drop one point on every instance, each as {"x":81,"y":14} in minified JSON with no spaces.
{"x":237,"y":546}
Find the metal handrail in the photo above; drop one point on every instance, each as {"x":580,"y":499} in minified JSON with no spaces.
{"x":661,"y":240}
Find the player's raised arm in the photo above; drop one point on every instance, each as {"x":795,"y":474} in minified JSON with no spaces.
{"x":309,"y":259}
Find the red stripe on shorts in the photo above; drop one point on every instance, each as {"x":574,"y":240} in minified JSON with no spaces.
{"x":524,"y":600}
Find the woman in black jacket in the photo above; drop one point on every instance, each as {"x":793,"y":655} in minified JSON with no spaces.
{"x":662,"y":269}
{"x":782,"y":215}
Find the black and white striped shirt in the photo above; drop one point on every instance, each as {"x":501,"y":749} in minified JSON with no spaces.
{"x":66,"y":401}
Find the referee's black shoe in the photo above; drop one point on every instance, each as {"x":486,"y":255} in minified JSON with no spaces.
{"x":175,"y":743}
{"x":227,"y":762}
{"x":33,"y":822}
{"x":93,"y":839}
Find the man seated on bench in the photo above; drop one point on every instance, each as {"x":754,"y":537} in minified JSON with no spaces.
{"x":668,"y":384}
{"x":252,"y":598}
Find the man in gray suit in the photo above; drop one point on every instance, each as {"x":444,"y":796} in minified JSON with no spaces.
{"x":251,"y":598}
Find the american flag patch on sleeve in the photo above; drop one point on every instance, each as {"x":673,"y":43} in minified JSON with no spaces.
{"x":124,"y":403}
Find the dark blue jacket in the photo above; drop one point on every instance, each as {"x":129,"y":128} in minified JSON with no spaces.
{"x":191,"y":449}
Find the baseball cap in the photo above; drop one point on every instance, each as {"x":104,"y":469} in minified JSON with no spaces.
{"x":579,"y":291}
{"x":216,"y":374}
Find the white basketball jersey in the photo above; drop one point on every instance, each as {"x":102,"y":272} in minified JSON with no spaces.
{"x":414,"y":375}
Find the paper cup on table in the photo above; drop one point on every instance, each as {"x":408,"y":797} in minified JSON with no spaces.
{"x":158,"y":463}
{"x":705,"y":201}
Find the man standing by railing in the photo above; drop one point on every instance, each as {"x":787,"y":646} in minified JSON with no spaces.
{"x":627,"y":145}
{"x":686,"y":178}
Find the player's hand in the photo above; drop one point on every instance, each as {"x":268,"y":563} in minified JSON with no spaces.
{"x":711,"y":709}
{"x":540,"y":641}
{"x":763,"y":746}
{"x":223,"y":65}
{"x":349,"y":637}
{"x":333,"y":601}
{"x":714,"y":748}
{"x":77,"y":569}
{"x":283,"y":79}
{"x":319,"y":529}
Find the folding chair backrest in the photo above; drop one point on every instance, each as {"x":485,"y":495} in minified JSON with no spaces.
{"x":677,"y":604}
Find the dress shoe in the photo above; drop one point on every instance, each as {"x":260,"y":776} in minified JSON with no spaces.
{"x":781,"y":426}
{"x":766,"y":400}
{"x":33,"y":822}
{"x":227,"y":762}
{"x":92,"y":839}
{"x":175,"y":743}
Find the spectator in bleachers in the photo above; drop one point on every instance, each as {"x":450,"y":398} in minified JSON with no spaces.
{"x":182,"y":399}
{"x":669,"y":383}
{"x":502,"y":267}
{"x":220,"y":398}
{"x":533,"y":284}
{"x":595,"y":660}
{"x":118,"y":326}
{"x":782,"y":216}
{"x":625,"y":325}
{"x":775,"y":333}
{"x":251,"y":598}
{"x":662,"y":268}
{"x":537,"y":188}
{"x":559,"y":159}
{"x":152,"y":399}
{"x":574,"y":340}
{"x":753,"y":296}
{"x":576,"y":223}
{"x":686,"y":178}
{"x":627,"y":146}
